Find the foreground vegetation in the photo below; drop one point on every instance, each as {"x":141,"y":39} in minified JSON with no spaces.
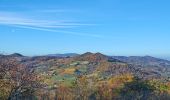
{"x":85,"y":77}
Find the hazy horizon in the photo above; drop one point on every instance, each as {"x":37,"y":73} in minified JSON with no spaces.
{"x":166,"y":57}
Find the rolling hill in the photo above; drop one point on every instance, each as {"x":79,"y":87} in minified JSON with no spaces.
{"x":89,"y":76}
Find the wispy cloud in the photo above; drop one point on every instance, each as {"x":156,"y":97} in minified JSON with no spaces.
{"x":15,"y":20}
{"x":43,"y":25}
{"x":61,"y":31}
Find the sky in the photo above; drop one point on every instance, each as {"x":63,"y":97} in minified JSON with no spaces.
{"x":112,"y":27}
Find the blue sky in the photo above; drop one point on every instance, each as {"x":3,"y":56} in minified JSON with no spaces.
{"x":113,"y":27}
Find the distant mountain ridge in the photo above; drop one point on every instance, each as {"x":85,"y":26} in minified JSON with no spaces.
{"x":143,"y":60}
{"x":63,"y":55}
{"x":12,"y":55}
{"x":16,"y":55}
{"x":122,"y":58}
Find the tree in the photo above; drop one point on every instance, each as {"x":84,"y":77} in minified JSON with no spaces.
{"x":21,"y":81}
